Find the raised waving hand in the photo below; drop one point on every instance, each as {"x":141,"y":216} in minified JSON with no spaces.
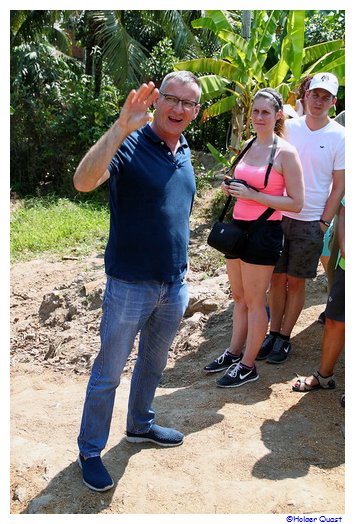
{"x":135,"y":111}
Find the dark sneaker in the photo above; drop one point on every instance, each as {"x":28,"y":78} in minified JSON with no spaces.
{"x":321,"y":318}
{"x":236,"y":376}
{"x":266,"y":347}
{"x":223,"y":362}
{"x":95,"y":475}
{"x":167,"y":437}
{"x":280,"y":351}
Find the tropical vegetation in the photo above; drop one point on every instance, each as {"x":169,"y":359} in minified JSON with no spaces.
{"x":72,"y":70}
{"x":273,"y":54}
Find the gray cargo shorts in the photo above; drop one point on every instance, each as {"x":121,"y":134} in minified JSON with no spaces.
{"x":303,"y":244}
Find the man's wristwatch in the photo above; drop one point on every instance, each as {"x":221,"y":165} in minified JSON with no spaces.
{"x":324,"y":222}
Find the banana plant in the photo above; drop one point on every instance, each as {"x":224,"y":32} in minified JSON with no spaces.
{"x":243,"y":65}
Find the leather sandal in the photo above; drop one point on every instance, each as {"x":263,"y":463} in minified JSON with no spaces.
{"x":323,"y":383}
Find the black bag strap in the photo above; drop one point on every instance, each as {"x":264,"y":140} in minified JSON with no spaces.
{"x":271,"y":161}
{"x":241,"y":154}
{"x":264,"y":216}
{"x":269,"y":211}
{"x":236,"y":161}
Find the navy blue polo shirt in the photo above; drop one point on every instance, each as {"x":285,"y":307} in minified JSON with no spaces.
{"x":151,"y":193}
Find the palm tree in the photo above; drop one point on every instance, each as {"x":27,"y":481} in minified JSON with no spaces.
{"x":34,"y":35}
{"x":120,"y":41}
{"x":123,"y":40}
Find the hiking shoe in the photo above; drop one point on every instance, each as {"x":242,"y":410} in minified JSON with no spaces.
{"x":266,"y":347}
{"x":167,"y":437}
{"x":237,"y":375}
{"x":279,"y":352}
{"x":223,"y":362}
{"x":95,"y":475}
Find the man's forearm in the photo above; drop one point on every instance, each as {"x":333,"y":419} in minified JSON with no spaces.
{"x":96,"y":161}
{"x":93,"y":169}
{"x":332,"y":206}
{"x":335,"y":196}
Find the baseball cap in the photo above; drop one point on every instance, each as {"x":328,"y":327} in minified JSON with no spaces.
{"x":326,"y":81}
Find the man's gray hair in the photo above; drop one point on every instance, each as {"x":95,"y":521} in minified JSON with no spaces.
{"x":186,"y":77}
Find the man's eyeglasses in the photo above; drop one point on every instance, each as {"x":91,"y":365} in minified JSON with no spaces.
{"x":173,"y":101}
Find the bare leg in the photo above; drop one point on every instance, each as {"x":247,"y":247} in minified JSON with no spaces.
{"x":332,"y":345}
{"x":294,"y":303}
{"x":277,"y":300}
{"x":240,"y":313}
{"x":325,"y":261}
{"x":327,"y":270}
{"x":256,"y":280}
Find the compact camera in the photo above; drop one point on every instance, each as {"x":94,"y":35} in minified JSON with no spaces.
{"x":238,"y":180}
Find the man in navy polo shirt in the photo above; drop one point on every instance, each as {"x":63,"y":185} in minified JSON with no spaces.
{"x":151,"y":190}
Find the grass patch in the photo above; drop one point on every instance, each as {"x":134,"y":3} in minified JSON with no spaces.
{"x":57,"y":226}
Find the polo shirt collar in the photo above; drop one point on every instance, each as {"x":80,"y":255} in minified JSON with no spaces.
{"x":148,"y":131}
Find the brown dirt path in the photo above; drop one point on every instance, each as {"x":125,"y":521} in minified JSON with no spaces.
{"x":259,"y":449}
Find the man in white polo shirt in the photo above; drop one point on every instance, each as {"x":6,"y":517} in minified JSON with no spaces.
{"x":320,"y":142}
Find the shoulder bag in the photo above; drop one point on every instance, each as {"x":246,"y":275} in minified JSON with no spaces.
{"x":229,"y":238}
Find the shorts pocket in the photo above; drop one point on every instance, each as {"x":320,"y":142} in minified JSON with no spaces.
{"x":309,"y":231}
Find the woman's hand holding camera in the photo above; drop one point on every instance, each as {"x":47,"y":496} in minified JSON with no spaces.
{"x":237,"y":188}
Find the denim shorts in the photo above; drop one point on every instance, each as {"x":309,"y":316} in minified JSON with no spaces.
{"x":264,"y":245}
{"x":335,"y":309}
{"x":303,"y":244}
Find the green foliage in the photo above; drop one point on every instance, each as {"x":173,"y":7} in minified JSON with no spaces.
{"x":215,"y":130}
{"x":161,"y":61}
{"x":248,"y":64}
{"x":126,"y":39}
{"x":218,"y":156}
{"x":41,"y":26}
{"x":218,"y":201}
{"x":83,"y":119}
{"x":322,"y":26}
{"x":56,"y":119}
{"x":58,"y":226}
{"x":204,"y":176}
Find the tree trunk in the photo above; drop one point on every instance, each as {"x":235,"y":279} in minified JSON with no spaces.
{"x":238,"y":112}
{"x":237,"y":118}
{"x":246,"y":24}
{"x":98,"y":73}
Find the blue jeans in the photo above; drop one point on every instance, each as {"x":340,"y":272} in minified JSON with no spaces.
{"x":153,"y":308}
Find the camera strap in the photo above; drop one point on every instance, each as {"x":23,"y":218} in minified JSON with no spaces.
{"x":269,"y":211}
{"x":230,"y":172}
{"x":271,"y":161}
